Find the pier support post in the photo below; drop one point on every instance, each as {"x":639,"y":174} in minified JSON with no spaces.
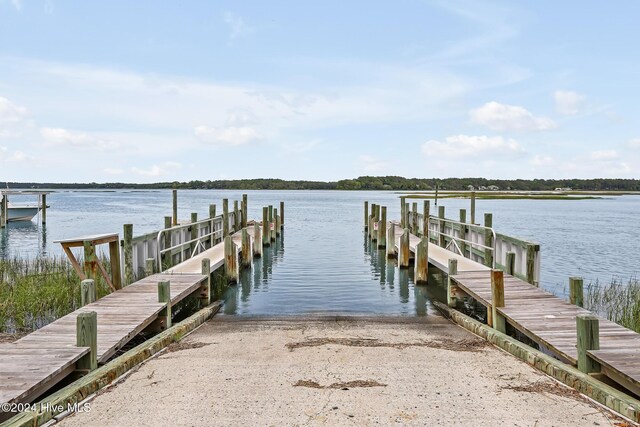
{"x":175,"y":206}
{"x":149,"y":267}
{"x":266,"y":237}
{"x":452,"y":300}
{"x":194,"y":230}
{"x":463,"y":231}
{"x":436,"y":203}
{"x":231,"y":260}
{"x":531,"y":264}
{"x":366,"y":215}
{"x":257,"y":240}
{"x":2,"y":211}
{"x":404,"y":252}
{"x":247,"y":255}
{"x":510,"y":265}
{"x":281,"y":214}
{"x":272,"y":225}
{"x":371,"y":219}
{"x":588,"y":332}
{"x":425,"y":218}
{"x":406,"y":215}
{"x":375,"y":221}
{"x":382,"y":228}
{"x":87,"y":292}
{"x":225,"y":218}
{"x":442,"y":242}
{"x":114,"y":260}
{"x":212,"y":210}
{"x":391,"y":241}
{"x":205,"y":288}
{"x":403,"y":206}
{"x":164,"y":296}
{"x":422,"y":262}
{"x":497,"y":300}
{"x":414,"y":218}
{"x":90,"y":260}
{"x":128,"y":253}
{"x":87,"y":336}
{"x":278,"y":224}
{"x":44,"y":208}
{"x":245,"y":200}
{"x":576,"y":291}
{"x":166,"y":258}
{"x":473,"y":207}
{"x":488,"y":240}
{"x":236,"y":216}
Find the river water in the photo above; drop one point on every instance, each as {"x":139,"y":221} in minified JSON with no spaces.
{"x":323,"y":263}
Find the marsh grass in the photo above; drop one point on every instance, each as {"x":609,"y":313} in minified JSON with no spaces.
{"x":617,"y":301}
{"x":34,"y":292}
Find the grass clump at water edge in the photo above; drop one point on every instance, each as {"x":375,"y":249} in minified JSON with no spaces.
{"x":616,"y":301}
{"x":34,"y":292}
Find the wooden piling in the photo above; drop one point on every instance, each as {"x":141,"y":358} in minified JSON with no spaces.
{"x":425,"y":218}
{"x":576,"y":291}
{"x":442,"y":241}
{"x":382,"y":228}
{"x":127,"y":236}
{"x":266,"y":237}
{"x":245,"y":200}
{"x":247,"y":254}
{"x":402,"y":209}
{"x":473,"y":207}
{"x":531,"y":264}
{"x":404,"y":250}
{"x":488,"y":240}
{"x":278,"y":224}
{"x":231,"y":260}
{"x":374,"y":222}
{"x":414,"y":218}
{"x":588,"y":332}
{"x":166,"y":259}
{"x":422,"y":262}
{"x":452,"y":301}
{"x":497,"y":300}
{"x":212,"y":210}
{"x":149,"y":267}
{"x":87,"y":336}
{"x":436,"y":202}
{"x":205,"y":289}
{"x":114,"y":261}
{"x":225,"y":218}
{"x":463,"y":231}
{"x":510,"y":267}
{"x":391,"y":241}
{"x":175,"y":206}
{"x":406,"y":215}
{"x":371,"y":219}
{"x":281,"y":214}
{"x":272,"y":225}
{"x":90,"y":260}
{"x":44,"y":208}
{"x":236,"y":216}
{"x":164,"y":297}
{"x":2,"y":211}
{"x":87,"y":292}
{"x":194,"y":230}
{"x":257,"y":240}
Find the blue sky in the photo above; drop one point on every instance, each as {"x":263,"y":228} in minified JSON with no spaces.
{"x":154,"y":91}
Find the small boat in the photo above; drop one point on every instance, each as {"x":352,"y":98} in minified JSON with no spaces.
{"x":21,"y":212}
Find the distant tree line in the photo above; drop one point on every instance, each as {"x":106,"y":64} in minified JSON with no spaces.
{"x":361,"y":183}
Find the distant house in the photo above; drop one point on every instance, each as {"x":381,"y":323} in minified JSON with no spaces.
{"x":482,"y":188}
{"x":470,"y":187}
{"x":493,"y":188}
{"x":563,"y":189}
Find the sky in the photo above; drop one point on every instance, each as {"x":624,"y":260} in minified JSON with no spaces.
{"x":151,"y":91}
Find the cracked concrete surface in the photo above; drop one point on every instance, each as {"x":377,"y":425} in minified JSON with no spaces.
{"x":247,"y":372}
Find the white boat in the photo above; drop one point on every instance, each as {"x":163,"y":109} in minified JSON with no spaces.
{"x":21,"y":212}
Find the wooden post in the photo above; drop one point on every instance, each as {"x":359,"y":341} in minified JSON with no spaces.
{"x":442,"y":242}
{"x":391,"y":241}
{"x":128,"y":254}
{"x":247,"y":256}
{"x":422,"y":262}
{"x":511,"y":264}
{"x":404,"y":250}
{"x":488,"y":240}
{"x":87,"y":336}
{"x":272,"y":225}
{"x":531,"y":264}
{"x":425,"y":218}
{"x":2,"y":217}
{"x":194,"y":230}
{"x":175,"y":206}
{"x":164,"y":296}
{"x":225,"y":218}
{"x":463,"y":231}
{"x":236,"y":216}
{"x":90,"y":260}
{"x":402,"y":208}
{"x":44,"y":208}
{"x":588,"y":332}
{"x":205,"y":289}
{"x":497,"y":300}
{"x":374,"y":223}
{"x":87,"y":292}
{"x":166,"y":259}
{"x":230,"y":260}
{"x":266,"y":236}
{"x":436,"y":203}
{"x":245,"y":199}
{"x":212,"y":210}
{"x":382,"y":228}
{"x":373,"y":214}
{"x":114,"y":260}
{"x":452,"y":301}
{"x":576,"y":291}
{"x":414,"y":218}
{"x":149,"y":267}
{"x":281,"y":214}
{"x":257,"y":240}
{"x":406,"y":215}
{"x":473,"y":207}
{"x":278,"y":224}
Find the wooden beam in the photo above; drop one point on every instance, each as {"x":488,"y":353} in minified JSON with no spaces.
{"x":87,"y":336}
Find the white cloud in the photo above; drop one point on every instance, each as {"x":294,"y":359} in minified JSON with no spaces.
{"x":503,"y":117}
{"x":604,"y":155}
{"x":11,"y":156}
{"x":568,"y":102}
{"x":237,"y":26}
{"x":471,"y":146}
{"x":113,"y":171}
{"x":11,"y":113}
{"x":301,"y":147}
{"x":542,"y":160}
{"x":229,"y":136}
{"x":59,"y":136}
{"x":634,"y":143}
{"x":157,"y":170}
{"x":371,"y":164}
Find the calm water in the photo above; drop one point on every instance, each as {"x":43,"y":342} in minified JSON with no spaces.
{"x":323,"y":262}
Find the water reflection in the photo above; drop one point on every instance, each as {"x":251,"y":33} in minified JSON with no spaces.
{"x":22,"y":231}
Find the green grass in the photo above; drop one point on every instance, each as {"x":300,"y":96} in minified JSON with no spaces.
{"x":34,"y":292}
{"x":617,"y":301}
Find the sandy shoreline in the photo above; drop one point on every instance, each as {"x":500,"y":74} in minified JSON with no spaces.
{"x":301,"y":371}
